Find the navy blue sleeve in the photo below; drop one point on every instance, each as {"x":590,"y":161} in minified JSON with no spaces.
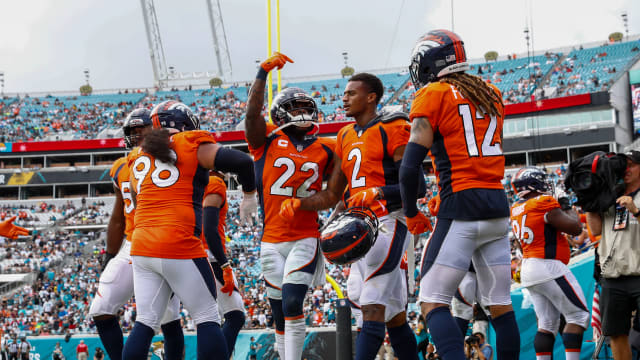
{"x":411,"y":176}
{"x":211,"y":235}
{"x":237,"y":162}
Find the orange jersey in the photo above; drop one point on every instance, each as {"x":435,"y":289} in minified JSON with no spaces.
{"x":120,"y":175}
{"x":217,"y":186}
{"x":466,"y":150}
{"x":169,"y":199}
{"x":367,"y":157}
{"x":538,"y":238}
{"x":285,"y":169}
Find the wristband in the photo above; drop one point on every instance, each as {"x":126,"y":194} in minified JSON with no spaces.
{"x":227,"y":264}
{"x":262,"y":74}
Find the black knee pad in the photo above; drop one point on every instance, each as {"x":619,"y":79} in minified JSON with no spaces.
{"x":293,"y":299}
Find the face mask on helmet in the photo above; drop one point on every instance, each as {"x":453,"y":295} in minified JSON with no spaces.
{"x":294,"y":107}
{"x":349,"y":236}
{"x":139,"y":118}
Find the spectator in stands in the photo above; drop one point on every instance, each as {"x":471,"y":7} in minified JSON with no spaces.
{"x":620,"y":260}
{"x":82,"y":351}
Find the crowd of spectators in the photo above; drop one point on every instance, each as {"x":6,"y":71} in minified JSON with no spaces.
{"x":50,"y":118}
{"x":76,"y":117}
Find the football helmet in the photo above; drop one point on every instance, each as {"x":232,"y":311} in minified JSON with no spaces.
{"x":349,"y":236}
{"x":437,"y":53}
{"x":137,"y":118}
{"x":287,"y":102}
{"x":530,"y":179}
{"x":174,"y":115}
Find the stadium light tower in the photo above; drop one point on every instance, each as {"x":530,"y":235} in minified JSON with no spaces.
{"x":527,"y":38}
{"x":1,"y":84}
{"x":220,"y":44}
{"x":345,"y":55}
{"x":625,"y":22}
{"x":86,"y":76}
{"x":156,"y":51}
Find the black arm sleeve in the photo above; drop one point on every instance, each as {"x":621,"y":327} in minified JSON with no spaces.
{"x":237,"y":162}
{"x":211,"y":235}
{"x":411,"y":176}
{"x":392,"y":192}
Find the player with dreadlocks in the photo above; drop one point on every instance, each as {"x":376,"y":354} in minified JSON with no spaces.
{"x":458,"y":118}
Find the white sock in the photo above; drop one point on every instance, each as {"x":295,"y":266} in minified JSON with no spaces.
{"x":280,"y":344}
{"x":294,"y":334}
{"x":572,"y":355}
{"x":543,"y":357}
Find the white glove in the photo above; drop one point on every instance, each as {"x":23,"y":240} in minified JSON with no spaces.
{"x":249,"y":206}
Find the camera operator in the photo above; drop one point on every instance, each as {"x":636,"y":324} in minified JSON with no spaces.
{"x":620,"y":259}
{"x":476,"y":349}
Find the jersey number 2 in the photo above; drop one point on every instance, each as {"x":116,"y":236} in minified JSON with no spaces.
{"x":278,"y":187}
{"x":488,"y":149}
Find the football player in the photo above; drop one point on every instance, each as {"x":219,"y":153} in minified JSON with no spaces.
{"x":168,"y":178}
{"x":290,"y":161}
{"x":538,"y":221}
{"x":368,"y":155}
{"x":115,"y":286}
{"x":229,"y":298}
{"x":459,"y":118}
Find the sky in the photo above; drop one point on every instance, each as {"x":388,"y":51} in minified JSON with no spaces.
{"x":47,"y":44}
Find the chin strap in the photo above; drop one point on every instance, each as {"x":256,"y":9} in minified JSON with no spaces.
{"x":316,"y":127}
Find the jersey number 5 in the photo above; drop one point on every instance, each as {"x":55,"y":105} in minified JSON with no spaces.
{"x":278,"y":187}
{"x":488,"y":149}
{"x":164,"y":175}
{"x":521,"y":231}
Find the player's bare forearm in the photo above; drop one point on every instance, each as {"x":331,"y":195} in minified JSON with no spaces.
{"x":421,"y":132}
{"x":117,"y":224}
{"x":319,"y":201}
{"x":255,"y":126}
{"x":329,"y":197}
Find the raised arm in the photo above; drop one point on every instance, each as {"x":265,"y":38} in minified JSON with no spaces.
{"x":255,"y":126}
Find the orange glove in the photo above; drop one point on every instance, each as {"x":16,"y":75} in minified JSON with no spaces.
{"x":229,"y":284}
{"x":434,"y":205}
{"x":419,"y":224}
{"x":8,"y":229}
{"x":288,"y":208}
{"x":365,"y":198}
{"x":276,"y":60}
{"x":404,"y":263}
